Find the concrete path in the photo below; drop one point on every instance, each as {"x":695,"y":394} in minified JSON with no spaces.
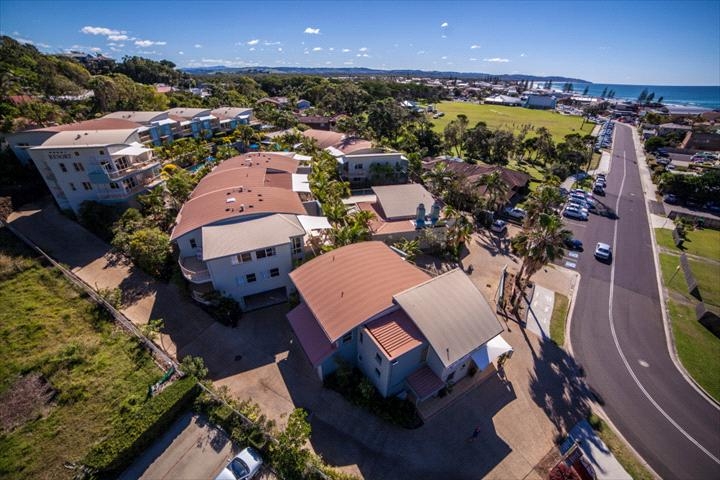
{"x":659,"y":221}
{"x":604,"y":165}
{"x":597,"y":453}
{"x":540,"y":313}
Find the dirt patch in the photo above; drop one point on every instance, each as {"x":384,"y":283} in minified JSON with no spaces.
{"x":28,"y":398}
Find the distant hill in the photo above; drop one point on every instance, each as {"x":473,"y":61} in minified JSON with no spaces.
{"x":371,"y":71}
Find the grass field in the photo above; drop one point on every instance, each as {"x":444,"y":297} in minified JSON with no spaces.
{"x":98,"y":373}
{"x":698,"y":348}
{"x":707,"y":275}
{"x":704,"y":243}
{"x":559,"y":317}
{"x":512,"y":118}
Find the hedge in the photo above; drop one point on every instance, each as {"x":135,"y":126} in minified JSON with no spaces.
{"x":133,"y":434}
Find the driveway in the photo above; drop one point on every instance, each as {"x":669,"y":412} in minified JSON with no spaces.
{"x":261,"y":361}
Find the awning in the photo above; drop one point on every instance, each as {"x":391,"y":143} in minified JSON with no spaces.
{"x":165,"y":121}
{"x":300,"y":183}
{"x":310,"y":223}
{"x":302,"y":158}
{"x":133,"y":149}
{"x":495,"y":347}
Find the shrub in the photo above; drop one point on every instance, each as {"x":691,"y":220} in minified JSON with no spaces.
{"x":133,"y":434}
{"x":595,"y":422}
{"x":99,"y":218}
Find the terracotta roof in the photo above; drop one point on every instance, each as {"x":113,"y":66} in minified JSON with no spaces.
{"x":222,"y":180}
{"x":395,"y":333}
{"x":424,"y":382}
{"x":346,"y":287}
{"x":214,"y":207}
{"x":472,"y":172}
{"x":380,"y":225}
{"x":270,"y":161}
{"x":313,"y":340}
{"x":95,"y":124}
{"x":326,"y":139}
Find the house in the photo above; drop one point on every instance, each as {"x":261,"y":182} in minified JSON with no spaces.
{"x":243,"y":228}
{"x":157,"y":127}
{"x":231,"y":117}
{"x":702,"y":141}
{"x":101,"y":160}
{"x":317,"y":122}
{"x":542,"y":102}
{"x":279,"y":102}
{"x":358,"y":161}
{"x":195,"y":122}
{"x":401,"y":212}
{"x":666,"y":128}
{"x":303,"y":104}
{"x":503,"y":100}
{"x":409,"y":333}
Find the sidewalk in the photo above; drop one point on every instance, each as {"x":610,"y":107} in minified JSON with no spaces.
{"x":540,"y":312}
{"x":596,"y":452}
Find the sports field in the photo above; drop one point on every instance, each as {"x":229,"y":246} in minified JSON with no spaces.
{"x":511,"y":118}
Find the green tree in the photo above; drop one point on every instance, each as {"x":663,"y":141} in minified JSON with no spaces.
{"x":454,"y":134}
{"x":410,"y":247}
{"x":289,"y":455}
{"x":477,"y":142}
{"x":149,"y":249}
{"x":495,"y":189}
{"x":502,"y":145}
{"x":194,"y":366}
{"x":643,"y":96}
{"x":385,"y":119}
{"x":545,"y":200}
{"x":180,"y":185}
{"x":545,"y":146}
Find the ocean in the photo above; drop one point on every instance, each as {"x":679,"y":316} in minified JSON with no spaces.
{"x":705,"y":97}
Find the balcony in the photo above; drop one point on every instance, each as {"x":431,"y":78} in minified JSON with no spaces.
{"x":194,"y":270}
{"x":134,"y":168}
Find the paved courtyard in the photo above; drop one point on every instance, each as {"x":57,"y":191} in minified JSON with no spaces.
{"x":519,"y":417}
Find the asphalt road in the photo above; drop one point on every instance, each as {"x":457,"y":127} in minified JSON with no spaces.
{"x":618,"y":336}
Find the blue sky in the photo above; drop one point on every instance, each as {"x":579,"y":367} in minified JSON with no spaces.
{"x":651,"y":43}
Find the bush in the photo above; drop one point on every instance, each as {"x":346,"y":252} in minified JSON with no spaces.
{"x":99,"y":218}
{"x":132,"y":435}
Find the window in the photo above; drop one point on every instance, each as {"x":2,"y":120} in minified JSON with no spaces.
{"x":347,"y":338}
{"x":242,"y":258}
{"x":377,"y":372}
{"x":79,"y":167}
{"x":122,"y":163}
{"x":378,"y":359}
{"x":358,"y":166}
{"x":77,"y":154}
{"x":87,"y":185}
{"x":102,"y":152}
{"x":250,"y":278}
{"x":193,"y":243}
{"x":129,"y":183}
{"x":296,"y":245}
{"x":268,"y":252}
{"x":72,"y":186}
{"x":62,"y":167}
{"x":114,"y":186}
{"x":274,"y":272}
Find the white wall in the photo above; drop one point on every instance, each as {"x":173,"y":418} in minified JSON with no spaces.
{"x":366,"y":160}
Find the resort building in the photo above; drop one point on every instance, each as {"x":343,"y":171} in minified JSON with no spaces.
{"x":409,"y":333}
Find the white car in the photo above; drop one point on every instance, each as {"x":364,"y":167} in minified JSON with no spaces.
{"x":571,"y":212}
{"x":244,"y":466}
{"x":603,"y":252}
{"x":516,"y":213}
{"x":499,"y":227}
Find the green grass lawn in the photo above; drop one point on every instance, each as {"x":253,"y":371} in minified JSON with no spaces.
{"x":698,"y":348}
{"x":672,"y":277}
{"x":707,"y":275}
{"x":704,"y":243}
{"x":622,"y":453}
{"x":559,"y":316}
{"x":99,"y":372}
{"x":511,"y":118}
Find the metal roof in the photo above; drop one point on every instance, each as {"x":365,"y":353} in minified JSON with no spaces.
{"x":87,"y":138}
{"x":401,"y":201}
{"x":452,"y":314}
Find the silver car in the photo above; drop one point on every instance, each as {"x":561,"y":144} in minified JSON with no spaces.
{"x":603,"y":252}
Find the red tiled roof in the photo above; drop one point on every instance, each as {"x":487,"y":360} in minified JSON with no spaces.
{"x":346,"y":287}
{"x":316,"y":345}
{"x":213,"y":207}
{"x":270,"y":161}
{"x":424,"y":382}
{"x":337,"y":140}
{"x":395,"y":333}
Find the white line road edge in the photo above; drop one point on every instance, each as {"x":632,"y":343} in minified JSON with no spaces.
{"x":617,"y":343}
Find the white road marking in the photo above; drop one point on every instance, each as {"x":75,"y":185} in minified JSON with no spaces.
{"x":570,"y":264}
{"x":573,"y":254}
{"x":643,"y":363}
{"x":617,"y":343}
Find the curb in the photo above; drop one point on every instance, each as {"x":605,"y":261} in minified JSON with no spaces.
{"x":669,"y":337}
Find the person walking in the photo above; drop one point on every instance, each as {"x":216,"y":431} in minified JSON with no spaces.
{"x":475,"y":434}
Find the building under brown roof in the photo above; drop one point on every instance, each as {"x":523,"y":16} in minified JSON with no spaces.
{"x":94,"y":124}
{"x":346,"y":287}
{"x":395,"y":333}
{"x":339,"y":141}
{"x":270,"y":161}
{"x":514,"y":179}
{"x":246,"y":177}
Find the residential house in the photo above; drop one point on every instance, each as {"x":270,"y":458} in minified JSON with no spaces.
{"x":408,"y":332}
{"x":279,"y":102}
{"x":542,"y":102}
{"x":303,"y":104}
{"x":195,"y":122}
{"x":231,"y":117}
{"x":157,"y":127}
{"x":358,"y":161}
{"x":702,"y":141}
{"x":100,"y":160}
{"x":243,"y":228}
{"x":317,"y":122}
{"x":666,"y":128}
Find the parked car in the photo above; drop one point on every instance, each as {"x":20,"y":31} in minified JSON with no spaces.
{"x":664,"y":161}
{"x":601,"y":182}
{"x":603,"y":252}
{"x":670,"y":166}
{"x":515,"y":212}
{"x":574,"y":213}
{"x":597,"y":189}
{"x":244,"y":466}
{"x":573,"y":244}
{"x":670,"y":199}
{"x":499,"y":227}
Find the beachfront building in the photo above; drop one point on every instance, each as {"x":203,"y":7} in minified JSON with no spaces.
{"x":358,"y":161}
{"x":243,"y":229}
{"x":541,"y":102}
{"x":157,"y":127}
{"x":196,"y":122}
{"x":232,"y":117}
{"x":503,"y":100}
{"x":101,"y":160}
{"x":408,"y":332}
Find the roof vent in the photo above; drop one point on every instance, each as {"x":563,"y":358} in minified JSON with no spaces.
{"x":242,"y":207}
{"x":240,"y":188}
{"x":230,"y":200}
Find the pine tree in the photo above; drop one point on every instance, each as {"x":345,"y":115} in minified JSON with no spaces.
{"x":643,"y":96}
{"x":660,"y":100}
{"x":585,"y":92}
{"x":604,"y":93}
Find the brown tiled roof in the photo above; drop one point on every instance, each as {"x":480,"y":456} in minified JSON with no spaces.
{"x":213,"y":207}
{"x":222,"y":180}
{"x":379,"y":225}
{"x":395,"y":333}
{"x":95,"y":124}
{"x":472,"y":173}
{"x":270,"y":161}
{"x":337,"y":140}
{"x":346,"y":287}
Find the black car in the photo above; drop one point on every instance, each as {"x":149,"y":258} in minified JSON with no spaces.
{"x":670,"y":199}
{"x":573,"y":244}
{"x":598,"y":189}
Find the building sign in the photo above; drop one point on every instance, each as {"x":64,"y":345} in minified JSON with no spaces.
{"x":58,"y":155}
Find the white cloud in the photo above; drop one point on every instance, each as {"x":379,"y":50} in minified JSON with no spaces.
{"x":88,"y":30}
{"x":523,"y":55}
{"x":444,"y":57}
{"x":151,"y":52}
{"x":96,"y":49}
{"x":328,"y":63}
{"x":421,"y":52}
{"x":345,"y":50}
{"x":114,"y":49}
{"x":312,"y":31}
{"x":181,"y":52}
{"x":474,"y":47}
{"x":43,"y":45}
{"x":280,"y":49}
{"x":362,"y":55}
{"x":253,"y":42}
{"x":496,"y":60}
{"x":473,"y":59}
{"x":332,"y":49}
{"x":197,"y":45}
{"x":118,"y":38}
{"x":25,"y":40}
{"x":269,"y":44}
{"x":160,"y":43}
{"x":444,"y":25}
{"x":317,"y":49}
{"x":363,"y":49}
{"x":252,"y":49}
{"x":443,"y":36}
{"x":148,"y":43}
{"x":348,"y":62}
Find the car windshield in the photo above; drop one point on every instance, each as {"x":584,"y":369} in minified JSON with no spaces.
{"x":238,"y":468}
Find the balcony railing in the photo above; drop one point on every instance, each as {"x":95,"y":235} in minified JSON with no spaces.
{"x":194,"y":270}
{"x":134,"y":168}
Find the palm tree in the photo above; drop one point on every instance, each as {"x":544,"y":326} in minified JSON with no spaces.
{"x":495,"y":189}
{"x":362,"y":218}
{"x":545,"y":200}
{"x":459,"y":230}
{"x":335,"y":211}
{"x":537,"y":247}
{"x":439,"y":178}
{"x":410,"y":247}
